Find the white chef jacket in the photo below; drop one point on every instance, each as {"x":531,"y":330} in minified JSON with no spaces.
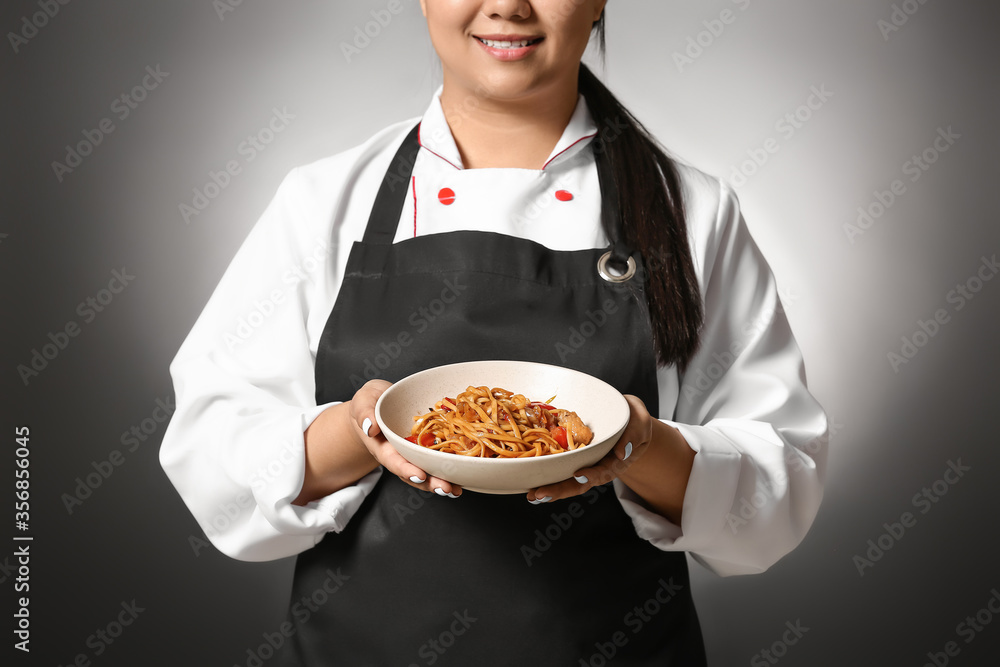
{"x":244,"y":377}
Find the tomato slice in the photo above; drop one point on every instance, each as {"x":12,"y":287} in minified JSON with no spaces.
{"x":559,"y":434}
{"x":542,"y":405}
{"x":426,"y":439}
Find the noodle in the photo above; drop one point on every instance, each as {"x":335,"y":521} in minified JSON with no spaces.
{"x":496,"y":423}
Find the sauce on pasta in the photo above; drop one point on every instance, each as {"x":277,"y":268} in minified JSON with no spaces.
{"x":496,"y":423}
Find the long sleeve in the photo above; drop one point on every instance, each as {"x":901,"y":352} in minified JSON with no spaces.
{"x":244,"y":382}
{"x":743,"y":406}
{"x":244,"y":377}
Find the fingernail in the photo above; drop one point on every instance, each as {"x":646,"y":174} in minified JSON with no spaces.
{"x":582,"y":479}
{"x":440,"y":492}
{"x":545,"y":499}
{"x":628,"y":451}
{"x":535,"y":501}
{"x":417,"y":480}
{"x":452,"y":495}
{"x":366,"y":425}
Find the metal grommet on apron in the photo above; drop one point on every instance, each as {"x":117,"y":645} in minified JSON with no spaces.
{"x":602,"y":269}
{"x":618,"y":256}
{"x":416,"y":579}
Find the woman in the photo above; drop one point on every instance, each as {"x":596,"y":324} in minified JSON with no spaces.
{"x":478,"y":233}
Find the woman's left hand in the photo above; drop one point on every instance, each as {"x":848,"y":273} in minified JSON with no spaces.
{"x":651,"y":457}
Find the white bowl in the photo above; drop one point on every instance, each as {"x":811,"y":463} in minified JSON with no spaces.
{"x":599,"y":405}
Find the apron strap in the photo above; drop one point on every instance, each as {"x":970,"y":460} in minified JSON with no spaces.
{"x":384,"y":218}
{"x":611,"y":218}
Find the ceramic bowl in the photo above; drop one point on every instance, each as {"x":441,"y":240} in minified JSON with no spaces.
{"x":598,"y":404}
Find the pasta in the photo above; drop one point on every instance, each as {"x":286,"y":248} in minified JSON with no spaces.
{"x":496,"y":423}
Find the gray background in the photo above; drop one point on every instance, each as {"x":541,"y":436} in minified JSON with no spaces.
{"x":849,"y":302}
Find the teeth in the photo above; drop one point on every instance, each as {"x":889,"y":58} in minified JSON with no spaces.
{"x":506,"y":45}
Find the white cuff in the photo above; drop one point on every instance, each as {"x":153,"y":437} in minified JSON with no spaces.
{"x":716,"y":467}
{"x":279,"y":528}
{"x":724,"y":473}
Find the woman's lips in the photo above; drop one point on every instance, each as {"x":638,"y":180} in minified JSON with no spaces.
{"x":508,"y":47}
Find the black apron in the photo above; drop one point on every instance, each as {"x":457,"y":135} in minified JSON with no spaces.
{"x":417,"y":579}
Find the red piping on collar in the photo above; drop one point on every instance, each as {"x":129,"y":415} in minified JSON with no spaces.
{"x":440,"y":156}
{"x":567,"y":148}
{"x":414,"y":182}
{"x":419,"y":141}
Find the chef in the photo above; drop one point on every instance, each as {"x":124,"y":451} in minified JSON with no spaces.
{"x":526,"y":215}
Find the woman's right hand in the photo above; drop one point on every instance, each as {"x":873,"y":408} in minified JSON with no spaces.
{"x":344,"y":443}
{"x":368,"y":433}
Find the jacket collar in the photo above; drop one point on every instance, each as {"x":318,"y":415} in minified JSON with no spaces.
{"x":436,"y":137}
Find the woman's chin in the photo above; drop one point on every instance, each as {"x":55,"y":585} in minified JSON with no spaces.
{"x":501,"y":87}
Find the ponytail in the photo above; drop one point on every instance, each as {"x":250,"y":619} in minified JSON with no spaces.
{"x":647,"y":186}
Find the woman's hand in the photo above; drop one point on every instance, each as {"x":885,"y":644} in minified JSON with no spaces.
{"x":345,"y":443}
{"x":369,"y":434}
{"x":651,"y":458}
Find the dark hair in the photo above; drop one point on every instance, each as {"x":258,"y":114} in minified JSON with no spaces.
{"x":649,"y":199}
